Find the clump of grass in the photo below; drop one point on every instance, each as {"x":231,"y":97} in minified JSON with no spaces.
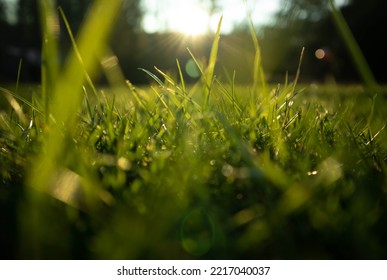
{"x":216,"y":170}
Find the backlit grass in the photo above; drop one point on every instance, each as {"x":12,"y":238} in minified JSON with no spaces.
{"x":171,"y":171}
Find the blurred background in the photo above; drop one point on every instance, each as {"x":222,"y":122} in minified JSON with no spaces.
{"x":152,"y":33}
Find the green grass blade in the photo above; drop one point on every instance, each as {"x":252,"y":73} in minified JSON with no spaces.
{"x":88,"y":106}
{"x":76,"y":51}
{"x":15,"y":106}
{"x":18,"y":76}
{"x":67,"y":98}
{"x":23,"y":100}
{"x":214,"y":53}
{"x":167,"y":77}
{"x":153,"y":76}
{"x":200,"y":68}
{"x":91,"y":41}
{"x":258,"y":72}
{"x":212,"y":62}
{"x":50,"y":51}
{"x":137,"y":97}
{"x":164,"y":103}
{"x":298,"y":72}
{"x":230,"y":96}
{"x":181,"y":76}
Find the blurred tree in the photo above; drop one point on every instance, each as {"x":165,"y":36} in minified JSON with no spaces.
{"x":298,"y":24}
{"x":308,"y":23}
{"x":22,"y":42}
{"x":2,"y":12}
{"x":132,"y":13}
{"x":297,"y":11}
{"x":368,"y":21}
{"x":126,"y":37}
{"x":129,"y":23}
{"x":28,"y":24}
{"x":213,"y":7}
{"x":3,"y":19}
{"x":4,"y":33}
{"x":75,"y":11}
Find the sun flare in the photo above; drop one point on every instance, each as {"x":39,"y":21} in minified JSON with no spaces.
{"x":193,"y":22}
{"x":188,"y":17}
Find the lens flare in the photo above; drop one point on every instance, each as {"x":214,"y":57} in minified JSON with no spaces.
{"x":320,"y":54}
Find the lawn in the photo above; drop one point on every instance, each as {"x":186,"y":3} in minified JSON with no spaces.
{"x":213,"y":170}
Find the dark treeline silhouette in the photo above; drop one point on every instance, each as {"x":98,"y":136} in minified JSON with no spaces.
{"x":368,"y":22}
{"x":20,"y":41}
{"x":309,"y":24}
{"x":299,"y":23}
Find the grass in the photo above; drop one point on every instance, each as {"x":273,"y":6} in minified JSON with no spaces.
{"x":172,"y":171}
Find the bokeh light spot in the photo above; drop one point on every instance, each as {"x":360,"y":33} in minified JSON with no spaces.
{"x":197,"y":233}
{"x":191,"y":69}
{"x":320,"y":54}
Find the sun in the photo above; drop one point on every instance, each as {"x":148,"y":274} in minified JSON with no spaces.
{"x":189,"y":19}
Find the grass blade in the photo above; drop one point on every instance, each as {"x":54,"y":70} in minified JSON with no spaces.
{"x":18,"y":76}
{"x":258,"y":73}
{"x":76,"y":50}
{"x":50,"y":53}
{"x":153,"y":76}
{"x":23,"y":100}
{"x":181,"y":76}
{"x":67,"y":96}
{"x":212,"y":62}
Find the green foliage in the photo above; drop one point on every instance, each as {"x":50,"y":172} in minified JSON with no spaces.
{"x":66,"y":96}
{"x":166,"y":172}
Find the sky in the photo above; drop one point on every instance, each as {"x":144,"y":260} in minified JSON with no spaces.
{"x":191,"y":16}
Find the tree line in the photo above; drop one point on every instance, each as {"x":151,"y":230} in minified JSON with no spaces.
{"x":299,"y":23}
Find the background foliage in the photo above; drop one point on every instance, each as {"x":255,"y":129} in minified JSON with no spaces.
{"x":174,"y":170}
{"x":298,"y":24}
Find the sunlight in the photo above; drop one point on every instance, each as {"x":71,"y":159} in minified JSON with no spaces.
{"x":192,"y":17}
{"x":186,"y":17}
{"x":194,"y":22}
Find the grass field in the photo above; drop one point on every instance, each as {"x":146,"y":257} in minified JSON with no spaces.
{"x":174,"y":171}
